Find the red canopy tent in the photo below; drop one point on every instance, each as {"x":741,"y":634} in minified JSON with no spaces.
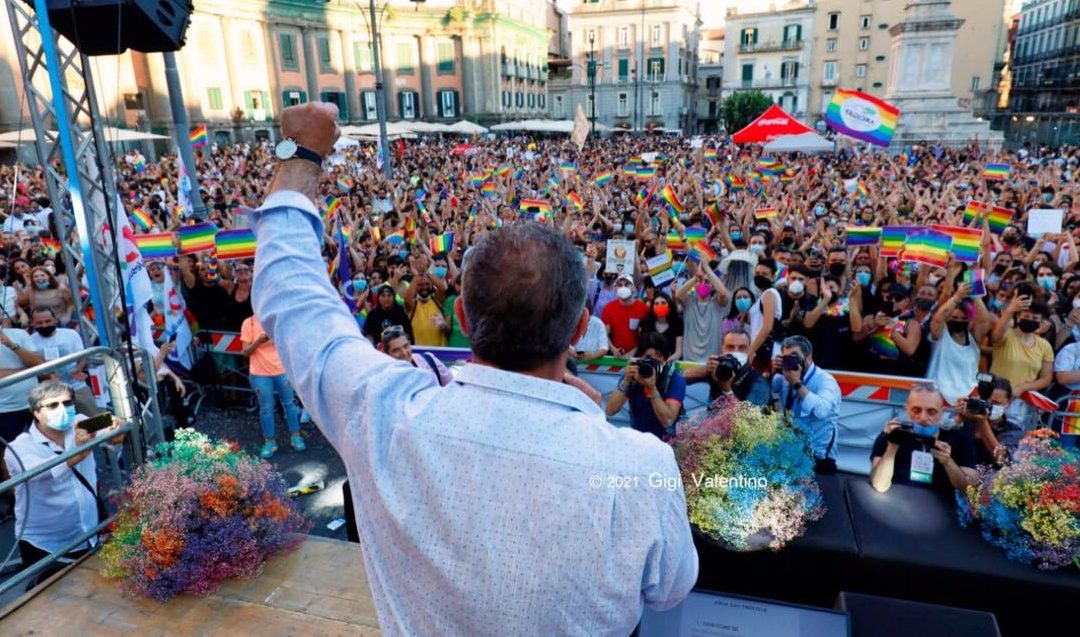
{"x":773,"y":123}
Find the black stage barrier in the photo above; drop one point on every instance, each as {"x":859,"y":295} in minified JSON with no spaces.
{"x":873,"y":616}
{"x":906,"y":544}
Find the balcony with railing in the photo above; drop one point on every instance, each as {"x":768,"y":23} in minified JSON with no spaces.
{"x":771,"y":45}
{"x":772,"y":83}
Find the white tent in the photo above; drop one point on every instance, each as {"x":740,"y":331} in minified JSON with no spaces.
{"x":113,"y":134}
{"x":24,"y":136}
{"x":801,"y":143}
{"x":394,"y":130}
{"x":424,"y":127}
{"x":543,"y":125}
{"x":465,"y":127}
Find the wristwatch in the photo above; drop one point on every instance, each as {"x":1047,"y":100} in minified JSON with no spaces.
{"x":796,"y":386}
{"x":288,"y":149}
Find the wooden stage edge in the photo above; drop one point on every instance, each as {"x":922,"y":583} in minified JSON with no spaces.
{"x":318,"y":589}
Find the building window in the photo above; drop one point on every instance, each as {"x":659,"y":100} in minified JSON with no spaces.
{"x":975,"y":80}
{"x":519,"y":99}
{"x":255,"y":101}
{"x":864,"y":43}
{"x":876,"y":84}
{"x":287,"y":45}
{"x":655,"y":69}
{"x":448,"y":103}
{"x":556,"y":109}
{"x":407,"y":104}
{"x":656,"y":31}
{"x":623,"y":75}
{"x":748,"y":37}
{"x":834,"y":21}
{"x":654,"y":103}
{"x":506,"y":99}
{"x":213,"y":97}
{"x":445,"y":53}
{"x":624,"y":38}
{"x":590,"y":106}
{"x":789,"y":71}
{"x":622,"y":105}
{"x":792,"y":33}
{"x":884,"y":26}
{"x":879,"y":58}
{"x":747,"y":74}
{"x":404,"y":58}
{"x":712,"y":83}
{"x":294,"y":97}
{"x":860,"y":70}
{"x":830,"y":45}
{"x":830,"y":72}
{"x":532,"y":100}
{"x":338,"y":99}
{"x":541,"y":100}
{"x":326,"y":63}
{"x":368,"y":107}
{"x":864,"y":22}
{"x":362,"y":56}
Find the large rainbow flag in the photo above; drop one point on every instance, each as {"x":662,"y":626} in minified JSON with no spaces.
{"x":965,"y":242}
{"x":196,"y":238}
{"x":929,"y":247}
{"x":862,"y":116}
{"x":156,"y":246}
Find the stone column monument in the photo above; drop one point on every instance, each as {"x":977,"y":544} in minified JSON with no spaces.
{"x":920,"y":80}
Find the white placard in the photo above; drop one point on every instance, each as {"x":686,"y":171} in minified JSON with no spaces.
{"x":620,"y":256}
{"x":697,"y":142}
{"x":649,"y":158}
{"x":1045,"y":220}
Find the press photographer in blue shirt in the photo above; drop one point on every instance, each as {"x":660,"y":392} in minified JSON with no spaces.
{"x":811,"y":396}
{"x":655,"y":390}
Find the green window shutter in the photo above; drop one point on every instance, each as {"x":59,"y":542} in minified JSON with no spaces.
{"x":404,"y":59}
{"x":213,"y":96}
{"x":288,"y":52}
{"x":624,"y":69}
{"x":324,"y":50}
{"x":755,"y":36}
{"x":446,"y":58}
{"x":748,"y":72}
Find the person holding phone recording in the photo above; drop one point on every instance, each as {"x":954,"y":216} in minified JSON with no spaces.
{"x":811,"y":396}
{"x":1020,"y":355}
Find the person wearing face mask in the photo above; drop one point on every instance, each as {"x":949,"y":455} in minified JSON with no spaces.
{"x":664,"y":319}
{"x":54,"y":342}
{"x":831,"y":324}
{"x":796,"y":300}
{"x":956,"y":330}
{"x":917,"y":451}
{"x":704,"y":298}
{"x":17,"y":352}
{"x":623,"y":318}
{"x":457,"y":336}
{"x":730,"y":374}
{"x":387,"y":312}
{"x":1020,"y":355}
{"x":996,"y":437}
{"x":424,"y":304}
{"x":61,"y":503}
{"x":766,"y":326}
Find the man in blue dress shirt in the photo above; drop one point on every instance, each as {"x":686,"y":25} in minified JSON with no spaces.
{"x":503,"y":503}
{"x":811,"y":397}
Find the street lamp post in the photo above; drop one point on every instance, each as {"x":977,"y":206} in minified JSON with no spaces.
{"x":380,"y":93}
{"x":592,"y":80}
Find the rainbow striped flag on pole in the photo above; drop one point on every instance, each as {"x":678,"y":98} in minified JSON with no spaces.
{"x":156,"y":246}
{"x":965,"y":242}
{"x":1000,"y":218}
{"x":199,"y":137}
{"x":576,"y":199}
{"x":540,"y":204}
{"x":671,"y":199}
{"x":603,"y":178}
{"x":142,"y":219}
{"x":235,"y":244}
{"x":441,"y":244}
{"x":861,"y":236}
{"x":766,"y":213}
{"x":862,"y":116}
{"x":975,"y":211}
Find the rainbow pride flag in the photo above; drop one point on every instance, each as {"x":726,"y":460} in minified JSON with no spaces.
{"x":576,"y":199}
{"x":345,"y":183}
{"x":735,"y":183}
{"x":478,"y":180}
{"x":675,"y":243}
{"x":714,"y":214}
{"x":52,"y":245}
{"x":196,"y":238}
{"x":645,"y":194}
{"x":672,"y":199}
{"x":975,"y":211}
{"x":766,"y":213}
{"x":503,"y":172}
{"x":893,"y":238}
{"x":709,"y":154}
{"x":862,"y":116}
{"x":701,"y":251}
{"x":861,"y":236}
{"x":441,"y":244}
{"x":139,"y":163}
{"x":1000,"y":218}
{"x":156,"y":246}
{"x":645,"y":172}
{"x":541,"y":205}
{"x":603,"y":178}
{"x":568,"y":167}
{"x":929,"y":247}
{"x":695,"y":233}
{"x":330,"y":207}
{"x":235,"y":244}
{"x":488,"y":189}
{"x":882,"y":344}
{"x":199,"y":137}
{"x":977,"y":280}
{"x":996,"y":172}
{"x":965,"y":242}
{"x":396,"y":237}
{"x":142,"y":219}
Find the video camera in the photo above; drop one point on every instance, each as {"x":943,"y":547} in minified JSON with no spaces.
{"x":647,"y":366}
{"x":906,"y":432}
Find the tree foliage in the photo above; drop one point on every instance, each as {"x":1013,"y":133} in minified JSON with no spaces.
{"x":742,"y":107}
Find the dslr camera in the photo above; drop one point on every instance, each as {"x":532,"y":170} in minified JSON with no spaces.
{"x":906,"y":431}
{"x":977,"y":407}
{"x":792,"y":361}
{"x":647,"y":366}
{"x":727,"y":366}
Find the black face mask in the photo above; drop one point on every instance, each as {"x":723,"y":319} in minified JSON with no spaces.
{"x":1010,"y":240}
{"x":924,"y":304}
{"x":1028,"y":326}
{"x":46,"y":331}
{"x":957,"y":326}
{"x":837,"y":269}
{"x":1000,"y":268}
{"x":762,"y":282}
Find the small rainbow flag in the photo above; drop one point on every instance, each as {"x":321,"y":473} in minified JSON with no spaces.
{"x":671,"y":199}
{"x":196,"y":238}
{"x":1000,"y":218}
{"x":996,"y":172}
{"x":396,"y":237}
{"x":235,"y":244}
{"x":330,"y":207}
{"x":478,"y":180}
{"x":544,"y":217}
{"x":965,"y":242}
{"x":862,"y":116}
{"x":893,"y":238}
{"x":861,"y":191}
{"x":709,"y":154}
{"x":695,"y":233}
{"x":503,"y":172}
{"x":604,"y":178}
{"x":766,"y":213}
{"x":735,"y":183}
{"x":441,"y":244}
{"x":882,"y":344}
{"x":157,"y":246}
{"x":199,"y":137}
{"x":541,"y":205}
{"x":568,"y":167}
{"x":975,"y":211}
{"x":140,"y":163}
{"x":788,"y":176}
{"x":345,"y":183}
{"x":576,"y":199}
{"x":929,"y":247}
{"x":142,"y":219}
{"x":675,"y":243}
{"x":860,"y":236}
{"x":488,"y":189}
{"x":714,"y":214}
{"x":645,"y":194}
{"x":702,"y":251}
{"x":51,"y":244}
{"x":977,"y":280}
{"x":645,"y":172}
{"x":518,"y":174}
{"x":770,"y":166}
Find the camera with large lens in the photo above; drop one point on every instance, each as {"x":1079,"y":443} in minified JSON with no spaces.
{"x":726,"y":368}
{"x":647,"y":366}
{"x":977,"y":407}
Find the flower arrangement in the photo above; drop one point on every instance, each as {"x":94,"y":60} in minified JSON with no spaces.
{"x":748,"y":476}
{"x":200,"y":513}
{"x":1031,"y":507}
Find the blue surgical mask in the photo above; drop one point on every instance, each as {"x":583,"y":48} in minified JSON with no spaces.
{"x":995,"y":304}
{"x":736,"y":235}
{"x":61,"y":419}
{"x":679,"y":268}
{"x":743,"y":304}
{"x":819,"y":210}
{"x":1047,"y":197}
{"x":863,"y":278}
{"x":924,"y":430}
{"x":757,"y":248}
{"x":440,"y":272}
{"x":41,"y":285}
{"x":628,"y":228}
{"x":403,"y":254}
{"x":360,"y":285}
{"x":1048,"y":283}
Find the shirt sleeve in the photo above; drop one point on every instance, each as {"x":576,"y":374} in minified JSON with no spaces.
{"x":1065,"y":361}
{"x":823,"y":402}
{"x":671,"y":568}
{"x":879,"y":447}
{"x":338,"y":374}
{"x":247,"y":332}
{"x":1048,"y":351}
{"x":676,"y":389}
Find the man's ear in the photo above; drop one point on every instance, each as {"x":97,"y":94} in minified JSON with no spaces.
{"x":379,"y":346}
{"x":459,"y":311}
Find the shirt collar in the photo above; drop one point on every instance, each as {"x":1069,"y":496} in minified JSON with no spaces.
{"x":527,"y":386}
{"x":39,"y":438}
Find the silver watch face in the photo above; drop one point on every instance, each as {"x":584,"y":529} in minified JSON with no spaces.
{"x":285,"y":149}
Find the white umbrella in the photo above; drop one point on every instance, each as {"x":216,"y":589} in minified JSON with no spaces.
{"x":345,"y":142}
{"x":465,"y":127}
{"x":394,"y":130}
{"x":24,"y":136}
{"x":424,"y":127}
{"x":114,"y":134}
{"x":801,"y":143}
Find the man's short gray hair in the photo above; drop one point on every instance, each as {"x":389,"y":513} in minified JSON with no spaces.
{"x":523,"y":288}
{"x":800,"y":343}
{"x":48,"y":390}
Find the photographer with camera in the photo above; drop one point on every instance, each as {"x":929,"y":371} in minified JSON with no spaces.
{"x":655,"y":389}
{"x":995,"y":436}
{"x":811,"y":396}
{"x":916,"y":451}
{"x":730,"y":375}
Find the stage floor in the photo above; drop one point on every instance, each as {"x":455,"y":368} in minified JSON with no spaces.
{"x":320,"y":589}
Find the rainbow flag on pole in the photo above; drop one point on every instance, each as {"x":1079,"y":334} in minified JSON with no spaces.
{"x":576,"y":199}
{"x":996,"y":172}
{"x":198,"y":137}
{"x":541,"y":205}
{"x":975,"y":211}
{"x":603,"y":178}
{"x":701,"y":251}
{"x":671,"y":199}
{"x":142,"y":219}
{"x":965,"y":242}
{"x":156,"y":246}
{"x":766,"y":213}
{"x":330,"y":208}
{"x":860,"y":236}
{"x":441,"y":244}
{"x":714,"y":214}
{"x":235,"y":244}
{"x":675,"y":243}
{"x":709,"y":154}
{"x":52,"y":245}
{"x":862,"y":116}
{"x":929,"y":247}
{"x":196,"y":238}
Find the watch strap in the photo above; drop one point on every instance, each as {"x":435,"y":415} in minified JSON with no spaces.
{"x":308,"y":154}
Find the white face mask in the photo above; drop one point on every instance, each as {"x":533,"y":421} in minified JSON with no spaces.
{"x":796,"y":288}
{"x":624,"y":292}
{"x":933,"y":279}
{"x":742,"y":357}
{"x":996,"y":412}
{"x":1076,"y":304}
